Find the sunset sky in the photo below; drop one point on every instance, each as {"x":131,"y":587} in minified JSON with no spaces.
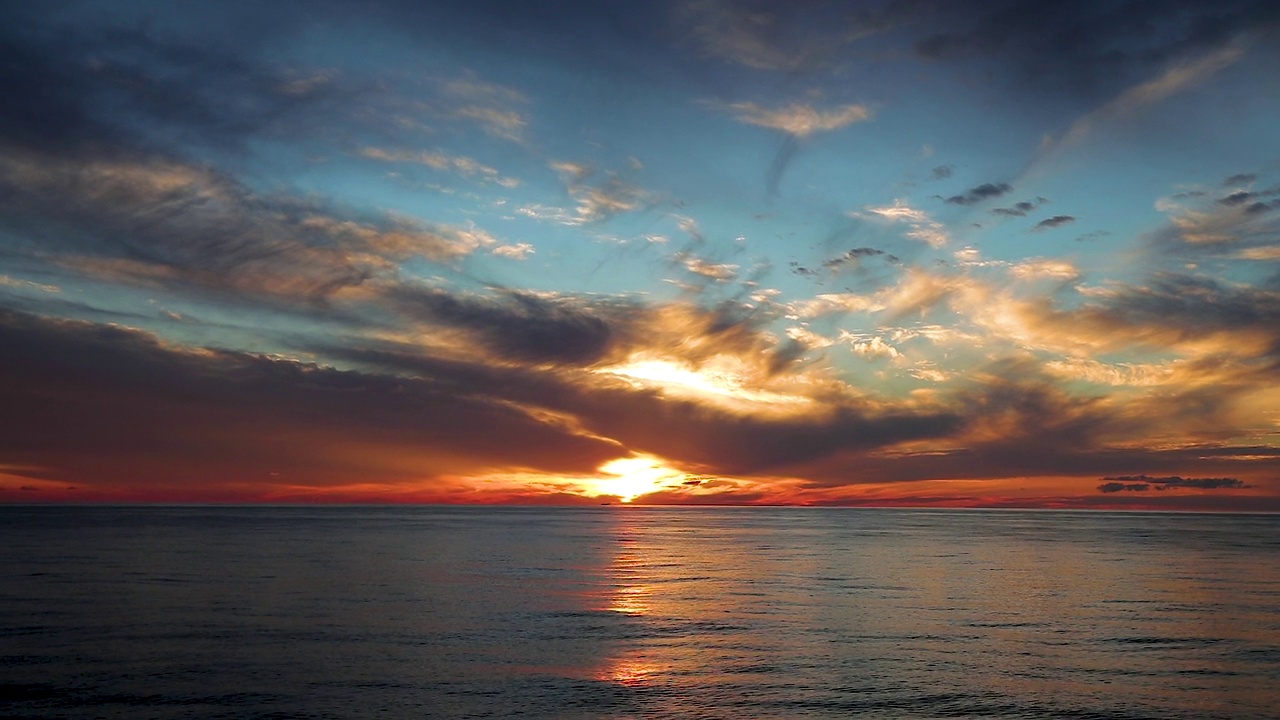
{"x":908,"y":252}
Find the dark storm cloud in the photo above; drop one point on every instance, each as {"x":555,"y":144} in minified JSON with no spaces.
{"x":102,"y":404}
{"x":1092,"y":50}
{"x":942,"y":172}
{"x":1143,"y":482}
{"x":1054,"y":222}
{"x":1241,"y":179}
{"x":985,"y":191}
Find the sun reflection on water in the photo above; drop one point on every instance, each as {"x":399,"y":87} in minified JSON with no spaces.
{"x":631,"y":600}
{"x":631,"y":672}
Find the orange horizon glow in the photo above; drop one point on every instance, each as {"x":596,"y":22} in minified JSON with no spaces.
{"x":643,"y":481}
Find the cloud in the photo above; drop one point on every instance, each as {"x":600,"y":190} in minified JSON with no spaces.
{"x":978,"y":194}
{"x":598,"y":202}
{"x":1196,"y":224}
{"x":1019,"y":209}
{"x":786,"y":38}
{"x":1114,"y":374}
{"x":1040,"y":268}
{"x":923,"y":227}
{"x":854,"y":257}
{"x":519,"y":326}
{"x":1111,"y":487}
{"x":876,"y":347}
{"x":1267,"y":252}
{"x":91,"y":87}
{"x":1087,"y":50}
{"x":1191,"y":315}
{"x":798,"y":119}
{"x":495,"y":108}
{"x":163,"y":222}
{"x":942,"y":172}
{"x":1172,"y":81}
{"x":715,"y":271}
{"x":518,"y":251}
{"x":1053,"y":222}
{"x":465,"y":166}
{"x":1239,"y":179}
{"x":1142,"y":483}
{"x":119,"y":409}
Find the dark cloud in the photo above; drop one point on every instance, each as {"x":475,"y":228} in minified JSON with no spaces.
{"x":942,"y":172}
{"x":1143,"y":482}
{"x":1237,"y":198}
{"x":521,"y":326}
{"x":164,"y":223}
{"x":1019,"y":209}
{"x":1090,"y":50}
{"x":854,"y":257}
{"x":107,"y":85}
{"x":787,"y":37}
{"x":986,"y":191}
{"x":1054,"y":222}
{"x":46,"y":108}
{"x":1241,"y":179}
{"x":114,"y":407}
{"x":718,"y":439}
{"x":1111,"y":487}
{"x":1188,"y":307}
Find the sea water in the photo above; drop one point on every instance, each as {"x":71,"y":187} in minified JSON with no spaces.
{"x":630,"y":612}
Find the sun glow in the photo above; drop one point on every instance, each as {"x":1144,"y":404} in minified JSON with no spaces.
{"x":635,"y":476}
{"x":726,"y":380}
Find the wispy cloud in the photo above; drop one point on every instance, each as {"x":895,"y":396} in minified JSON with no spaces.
{"x":787,"y":38}
{"x":495,"y":108}
{"x":1174,"y":80}
{"x":169,"y":222}
{"x":465,"y":166}
{"x":798,"y":119}
{"x":923,"y":227}
{"x":602,"y":199}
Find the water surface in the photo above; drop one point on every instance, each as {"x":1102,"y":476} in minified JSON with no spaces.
{"x":619,"y":612}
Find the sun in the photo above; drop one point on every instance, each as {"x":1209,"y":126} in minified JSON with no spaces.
{"x":631,"y":477}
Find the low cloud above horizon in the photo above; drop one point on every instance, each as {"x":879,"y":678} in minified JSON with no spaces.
{"x":841,"y":253}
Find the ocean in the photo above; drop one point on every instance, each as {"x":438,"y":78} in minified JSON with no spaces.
{"x":636,"y":612}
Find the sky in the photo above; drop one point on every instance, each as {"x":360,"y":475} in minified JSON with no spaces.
{"x":896,"y":253}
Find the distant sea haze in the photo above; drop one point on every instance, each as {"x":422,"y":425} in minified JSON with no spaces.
{"x":630,"y":612}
